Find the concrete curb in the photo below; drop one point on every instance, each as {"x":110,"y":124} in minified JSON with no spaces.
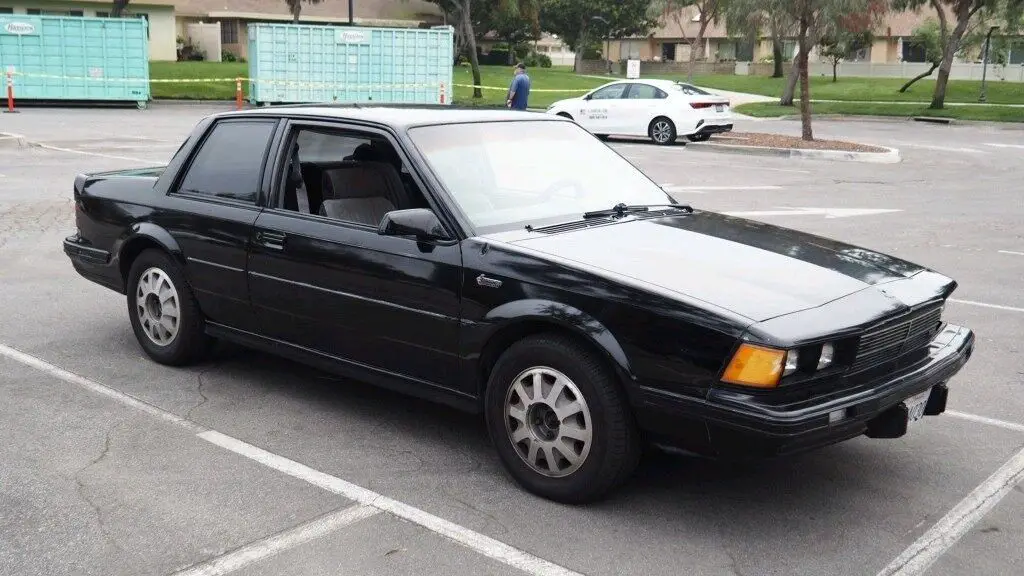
{"x":891,"y":156}
{"x":899,"y":120}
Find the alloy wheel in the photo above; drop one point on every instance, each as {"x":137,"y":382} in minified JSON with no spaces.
{"x":157,"y":306}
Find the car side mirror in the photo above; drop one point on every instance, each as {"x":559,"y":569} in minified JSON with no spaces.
{"x":418,"y":222}
{"x":588,"y":96}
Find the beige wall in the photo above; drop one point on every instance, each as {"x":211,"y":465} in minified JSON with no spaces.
{"x":161,"y":21}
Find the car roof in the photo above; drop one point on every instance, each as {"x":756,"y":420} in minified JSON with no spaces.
{"x":660,"y":83}
{"x":397,"y":116}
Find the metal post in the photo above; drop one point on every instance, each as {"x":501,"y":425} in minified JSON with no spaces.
{"x":10,"y":90}
{"x":984,"y":63}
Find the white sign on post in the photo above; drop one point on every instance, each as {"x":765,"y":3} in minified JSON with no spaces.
{"x":632,"y":69}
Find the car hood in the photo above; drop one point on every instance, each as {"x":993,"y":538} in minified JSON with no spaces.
{"x":754,"y":269}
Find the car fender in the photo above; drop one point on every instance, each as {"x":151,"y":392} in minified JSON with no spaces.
{"x":563,"y":315}
{"x":149,"y":233}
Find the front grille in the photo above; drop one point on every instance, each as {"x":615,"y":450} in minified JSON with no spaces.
{"x":896,"y":337}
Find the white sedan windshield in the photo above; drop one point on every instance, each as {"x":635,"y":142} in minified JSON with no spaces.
{"x":507,"y":175}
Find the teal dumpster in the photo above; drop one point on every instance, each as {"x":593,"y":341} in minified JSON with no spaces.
{"x":293,"y":63}
{"x":57,"y":58}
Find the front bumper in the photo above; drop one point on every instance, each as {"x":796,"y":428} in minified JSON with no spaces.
{"x":741,"y":425}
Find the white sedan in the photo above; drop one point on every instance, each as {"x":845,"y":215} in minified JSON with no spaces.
{"x":661,"y":110}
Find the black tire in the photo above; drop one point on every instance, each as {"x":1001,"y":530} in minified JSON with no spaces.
{"x":654,"y":131}
{"x":699,"y":137}
{"x":615,"y":447}
{"x":190,"y":342}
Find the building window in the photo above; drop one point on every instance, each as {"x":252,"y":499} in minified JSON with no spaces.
{"x":76,"y":13}
{"x":668,"y":52}
{"x":229,"y":32}
{"x":913,"y":51}
{"x":103,"y":14}
{"x":33,"y":11}
{"x":4,"y":10}
{"x":1017,"y":53}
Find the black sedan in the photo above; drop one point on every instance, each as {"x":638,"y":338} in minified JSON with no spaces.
{"x":511,"y":264}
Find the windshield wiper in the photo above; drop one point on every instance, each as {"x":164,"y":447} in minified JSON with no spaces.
{"x":622,"y":209}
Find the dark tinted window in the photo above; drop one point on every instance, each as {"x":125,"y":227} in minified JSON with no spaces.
{"x":230,"y":161}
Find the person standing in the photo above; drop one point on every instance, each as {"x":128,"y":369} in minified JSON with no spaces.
{"x":519,"y":91}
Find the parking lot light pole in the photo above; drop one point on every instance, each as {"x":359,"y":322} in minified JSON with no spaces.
{"x":984,"y":63}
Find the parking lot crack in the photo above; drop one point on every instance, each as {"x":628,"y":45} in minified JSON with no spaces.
{"x":203,"y":399}
{"x":82,"y":489}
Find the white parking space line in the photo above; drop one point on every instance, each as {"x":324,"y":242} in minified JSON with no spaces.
{"x":708,"y":163}
{"x":99,"y":154}
{"x":947,"y":531}
{"x":267,"y":547}
{"x":476,"y":541}
{"x":1011,"y":252}
{"x":986,"y":305}
{"x":986,"y":420}
{"x":939,"y":148}
{"x":994,"y":145}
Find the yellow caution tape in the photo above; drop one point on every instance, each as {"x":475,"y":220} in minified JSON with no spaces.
{"x":290,"y":83}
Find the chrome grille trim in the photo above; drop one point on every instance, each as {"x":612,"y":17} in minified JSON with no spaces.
{"x":892,"y":338}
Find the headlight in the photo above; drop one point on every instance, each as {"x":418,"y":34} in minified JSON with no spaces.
{"x":755,"y":366}
{"x":792,"y":362}
{"x":828,"y":354}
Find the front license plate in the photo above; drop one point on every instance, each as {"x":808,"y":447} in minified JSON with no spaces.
{"x":719,"y":108}
{"x":916,"y":405}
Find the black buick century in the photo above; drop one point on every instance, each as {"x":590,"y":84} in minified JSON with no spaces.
{"x":513,"y":265}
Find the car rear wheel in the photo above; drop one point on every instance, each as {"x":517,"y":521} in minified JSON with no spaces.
{"x":164,"y":314}
{"x":559,"y":421}
{"x":662,"y":131}
{"x":699,"y":137}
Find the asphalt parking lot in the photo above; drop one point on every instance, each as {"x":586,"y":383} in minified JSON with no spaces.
{"x":111,"y":464}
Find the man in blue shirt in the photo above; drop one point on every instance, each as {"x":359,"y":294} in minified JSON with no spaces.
{"x":519,"y":91}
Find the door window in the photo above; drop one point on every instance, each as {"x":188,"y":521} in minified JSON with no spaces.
{"x":613,"y":92}
{"x":230,"y":161}
{"x":645,"y":92}
{"x":349,"y":176}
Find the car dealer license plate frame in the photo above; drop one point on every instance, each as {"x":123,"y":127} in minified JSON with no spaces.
{"x":916,"y":406}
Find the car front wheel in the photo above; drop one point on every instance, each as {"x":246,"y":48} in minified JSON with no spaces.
{"x":164,"y":314}
{"x":559,"y":421}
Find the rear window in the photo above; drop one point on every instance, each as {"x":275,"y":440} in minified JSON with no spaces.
{"x":690,"y":90}
{"x":230,"y":162}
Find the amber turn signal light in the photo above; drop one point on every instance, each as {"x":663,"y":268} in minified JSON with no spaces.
{"x":755,"y":366}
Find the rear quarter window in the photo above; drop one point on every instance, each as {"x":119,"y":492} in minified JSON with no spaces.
{"x":229,"y":162}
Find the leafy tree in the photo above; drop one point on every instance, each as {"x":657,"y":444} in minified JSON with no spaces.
{"x":513,"y":21}
{"x":461,"y":12}
{"x":295,"y":7}
{"x":838,"y":45}
{"x":676,"y":11}
{"x":577,"y":22}
{"x":929,"y":38}
{"x":963,"y":13}
{"x":751,"y":19}
{"x":118,"y":9}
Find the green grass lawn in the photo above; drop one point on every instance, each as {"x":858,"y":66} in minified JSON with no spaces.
{"x":867,"y":89}
{"x":498,"y":77}
{"x":854,"y":91}
{"x":193,"y":70}
{"x":983,"y":113}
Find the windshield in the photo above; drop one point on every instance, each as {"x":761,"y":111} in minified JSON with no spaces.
{"x":506,"y":175}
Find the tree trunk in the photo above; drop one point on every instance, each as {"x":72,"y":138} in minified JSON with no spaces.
{"x":118,"y":8}
{"x":696,"y":49}
{"x":835,"y":67}
{"x":952,"y":45}
{"x":474,"y":61}
{"x":296,"y":11}
{"x":779,"y":72}
{"x":794,"y":75}
{"x":805,"y":84}
{"x":919,"y":77}
{"x":577,"y":64}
